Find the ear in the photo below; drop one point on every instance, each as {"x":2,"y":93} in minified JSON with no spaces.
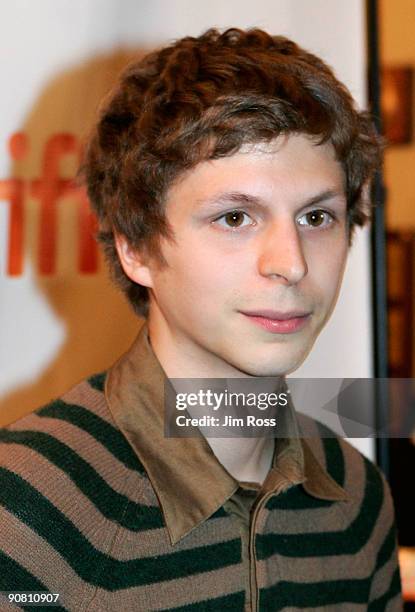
{"x":366,"y":193}
{"x":134,"y":263}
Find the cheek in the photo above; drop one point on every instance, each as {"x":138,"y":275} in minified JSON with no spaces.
{"x":205,"y":271}
{"x":328,"y":263}
{"x":209,"y":278}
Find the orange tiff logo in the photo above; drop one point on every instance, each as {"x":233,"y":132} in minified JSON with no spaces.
{"x":47,"y":190}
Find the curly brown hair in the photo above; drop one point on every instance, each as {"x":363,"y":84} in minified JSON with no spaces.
{"x":203,"y":98}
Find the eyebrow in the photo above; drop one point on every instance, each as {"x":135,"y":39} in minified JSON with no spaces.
{"x":240,"y":198}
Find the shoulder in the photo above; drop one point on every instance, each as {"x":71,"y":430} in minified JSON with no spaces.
{"x":65,"y":453}
{"x":367,"y":516}
{"x":69,"y":433}
{"x":342,"y":460}
{"x":363,"y":481}
{"x":67,"y":476}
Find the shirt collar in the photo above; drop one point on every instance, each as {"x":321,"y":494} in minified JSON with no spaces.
{"x":189,"y":481}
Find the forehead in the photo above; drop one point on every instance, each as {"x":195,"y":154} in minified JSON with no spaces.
{"x":289,"y":155}
{"x":291,"y":166}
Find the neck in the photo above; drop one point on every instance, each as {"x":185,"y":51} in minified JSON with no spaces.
{"x":246,"y":459}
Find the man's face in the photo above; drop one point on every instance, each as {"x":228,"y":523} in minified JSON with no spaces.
{"x":259,"y":253}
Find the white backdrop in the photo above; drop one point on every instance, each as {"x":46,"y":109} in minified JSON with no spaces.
{"x":57,"y":59}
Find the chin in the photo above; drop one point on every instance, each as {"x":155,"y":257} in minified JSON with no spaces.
{"x":271,"y":367}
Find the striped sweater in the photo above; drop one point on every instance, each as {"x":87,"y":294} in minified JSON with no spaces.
{"x":89,"y":512}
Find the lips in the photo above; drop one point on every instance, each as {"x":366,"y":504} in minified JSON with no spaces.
{"x":278,"y":322}
{"x":276,"y":314}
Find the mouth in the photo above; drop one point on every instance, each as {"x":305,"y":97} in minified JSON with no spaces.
{"x":278,"y":322}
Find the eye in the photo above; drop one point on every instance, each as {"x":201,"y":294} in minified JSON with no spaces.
{"x":316,"y":218}
{"x":234,"y":219}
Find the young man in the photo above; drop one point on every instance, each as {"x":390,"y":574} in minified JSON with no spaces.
{"x":228,"y":173}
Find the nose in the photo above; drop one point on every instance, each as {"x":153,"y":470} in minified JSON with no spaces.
{"x":281,"y":253}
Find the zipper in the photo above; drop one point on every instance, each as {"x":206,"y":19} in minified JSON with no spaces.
{"x":252,"y":558}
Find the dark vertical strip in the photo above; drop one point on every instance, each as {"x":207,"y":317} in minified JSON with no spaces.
{"x":378,"y":246}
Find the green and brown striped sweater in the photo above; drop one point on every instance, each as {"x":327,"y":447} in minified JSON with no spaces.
{"x":80,"y":516}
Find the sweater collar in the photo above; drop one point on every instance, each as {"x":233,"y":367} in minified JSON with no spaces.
{"x":189,"y":481}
